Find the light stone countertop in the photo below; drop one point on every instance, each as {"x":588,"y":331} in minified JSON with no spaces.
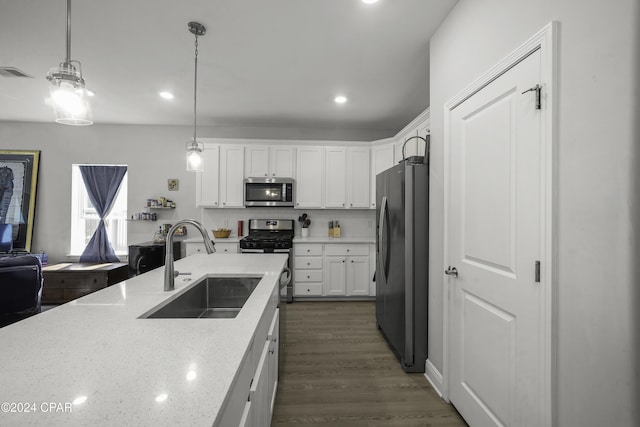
{"x":97,"y":347}
{"x":327,"y":239}
{"x":297,"y":239}
{"x":198,"y":239}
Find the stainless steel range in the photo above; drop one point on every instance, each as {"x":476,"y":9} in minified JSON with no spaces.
{"x":271,"y":236}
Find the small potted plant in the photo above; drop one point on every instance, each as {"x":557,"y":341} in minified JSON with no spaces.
{"x":305,"y":222}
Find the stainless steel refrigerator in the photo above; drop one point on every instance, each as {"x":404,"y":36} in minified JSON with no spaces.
{"x":402,"y":258}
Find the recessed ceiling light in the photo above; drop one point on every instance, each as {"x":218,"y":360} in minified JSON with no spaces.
{"x":90,"y":92}
{"x":369,"y":1}
{"x":166,"y":95}
{"x":340,"y":99}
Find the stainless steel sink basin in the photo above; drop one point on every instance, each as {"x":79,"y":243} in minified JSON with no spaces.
{"x":211,"y":298}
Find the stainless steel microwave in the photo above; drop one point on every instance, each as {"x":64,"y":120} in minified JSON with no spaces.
{"x":269,"y":192}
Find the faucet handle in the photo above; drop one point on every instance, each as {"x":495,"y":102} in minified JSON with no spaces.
{"x":177,"y":273}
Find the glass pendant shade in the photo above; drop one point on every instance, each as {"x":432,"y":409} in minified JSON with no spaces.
{"x":194,"y":156}
{"x":68,"y":96}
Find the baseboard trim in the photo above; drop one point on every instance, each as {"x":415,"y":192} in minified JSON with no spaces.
{"x":433,"y":376}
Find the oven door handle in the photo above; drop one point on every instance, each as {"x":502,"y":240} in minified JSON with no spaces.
{"x":287,"y":280}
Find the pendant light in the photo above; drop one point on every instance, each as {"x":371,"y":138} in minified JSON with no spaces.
{"x":195,"y":148}
{"x":68,"y":94}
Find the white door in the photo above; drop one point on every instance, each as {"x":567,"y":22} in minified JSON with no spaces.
{"x":496,"y":309}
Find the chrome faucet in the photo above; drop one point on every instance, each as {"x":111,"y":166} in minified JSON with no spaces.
{"x":169,"y":273}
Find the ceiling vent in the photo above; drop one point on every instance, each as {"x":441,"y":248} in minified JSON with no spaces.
{"x":13,"y":72}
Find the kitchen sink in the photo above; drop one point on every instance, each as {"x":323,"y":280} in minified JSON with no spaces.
{"x":210,"y":298}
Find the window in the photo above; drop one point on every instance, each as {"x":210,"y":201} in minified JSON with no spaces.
{"x":85,"y":219}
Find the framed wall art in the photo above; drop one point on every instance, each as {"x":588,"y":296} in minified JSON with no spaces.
{"x":18,"y":184}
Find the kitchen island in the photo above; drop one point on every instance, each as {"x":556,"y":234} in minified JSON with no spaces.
{"x":94,"y":361}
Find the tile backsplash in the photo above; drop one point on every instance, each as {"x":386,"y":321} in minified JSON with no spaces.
{"x":353,"y":222}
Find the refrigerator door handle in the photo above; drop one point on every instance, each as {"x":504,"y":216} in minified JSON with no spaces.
{"x":383,"y":249}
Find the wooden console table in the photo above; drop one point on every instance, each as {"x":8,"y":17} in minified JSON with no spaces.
{"x":68,"y":281}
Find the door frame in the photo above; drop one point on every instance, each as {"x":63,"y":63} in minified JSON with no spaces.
{"x":544,"y":40}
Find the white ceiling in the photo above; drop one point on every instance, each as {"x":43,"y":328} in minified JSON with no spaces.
{"x":261,"y":63}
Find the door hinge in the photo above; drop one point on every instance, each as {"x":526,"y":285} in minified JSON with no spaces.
{"x":538,"y":90}
{"x":537,"y":272}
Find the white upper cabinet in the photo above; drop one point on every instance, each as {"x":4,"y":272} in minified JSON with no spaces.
{"x":358,"y":176}
{"x":269,"y":162}
{"x":347,"y":175}
{"x":335,"y":177}
{"x":231,"y":176}
{"x":256,"y":161}
{"x":309,"y":177}
{"x":382,"y":158}
{"x":207,"y":181}
{"x":220,"y":184}
{"x":281,"y":160}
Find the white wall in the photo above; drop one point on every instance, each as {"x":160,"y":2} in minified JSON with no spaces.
{"x":153,"y":154}
{"x":597,"y":323}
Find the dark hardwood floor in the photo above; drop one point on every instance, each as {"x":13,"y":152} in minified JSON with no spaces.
{"x":338,"y":371}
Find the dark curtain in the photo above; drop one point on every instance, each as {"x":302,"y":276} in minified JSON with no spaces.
{"x":102,"y":183}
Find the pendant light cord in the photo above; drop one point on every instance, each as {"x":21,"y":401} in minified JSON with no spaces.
{"x":68,"y":31}
{"x":195,"y":89}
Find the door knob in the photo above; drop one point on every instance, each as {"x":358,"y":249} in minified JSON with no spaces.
{"x":451,"y":271}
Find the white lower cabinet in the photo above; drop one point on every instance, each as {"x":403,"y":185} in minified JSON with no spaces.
{"x":358,"y":278}
{"x":333,"y":270}
{"x":347,"y":268}
{"x":262,"y":393}
{"x":252,"y":396}
{"x":308,"y":274}
{"x":273,"y":338}
{"x":258,"y":393}
{"x":335,"y":267}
